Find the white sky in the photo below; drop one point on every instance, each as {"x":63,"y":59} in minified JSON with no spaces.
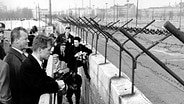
{"x":65,"y":4}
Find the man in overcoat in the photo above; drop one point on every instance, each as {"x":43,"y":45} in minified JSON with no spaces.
{"x":14,"y":58}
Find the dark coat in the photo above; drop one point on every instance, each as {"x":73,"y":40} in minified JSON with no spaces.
{"x":2,"y":53}
{"x":30,"y":38}
{"x":73,"y":82}
{"x":62,"y":57}
{"x":5,"y":94}
{"x":62,"y":39}
{"x":72,"y":62}
{"x":14,"y":60}
{"x":35,"y":82}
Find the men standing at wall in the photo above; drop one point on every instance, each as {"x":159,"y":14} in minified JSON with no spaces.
{"x":34,"y":80}
{"x":14,"y":58}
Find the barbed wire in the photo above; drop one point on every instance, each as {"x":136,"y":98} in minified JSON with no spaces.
{"x":169,"y":80}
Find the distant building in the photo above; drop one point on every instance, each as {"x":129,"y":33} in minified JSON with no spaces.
{"x":40,"y":13}
{"x":123,"y":10}
{"x":163,"y":13}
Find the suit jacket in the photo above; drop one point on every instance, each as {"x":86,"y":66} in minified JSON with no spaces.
{"x":62,"y":57}
{"x":5,"y":94}
{"x":2,"y":53}
{"x":14,"y":60}
{"x":62,"y":39}
{"x":34,"y":81}
{"x":74,"y":82}
{"x":30,"y":38}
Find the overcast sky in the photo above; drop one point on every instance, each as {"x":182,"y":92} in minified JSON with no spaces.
{"x":65,"y":4}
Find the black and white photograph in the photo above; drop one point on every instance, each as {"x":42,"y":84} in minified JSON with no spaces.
{"x":91,"y":51}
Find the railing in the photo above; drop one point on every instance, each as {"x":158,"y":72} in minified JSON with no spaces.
{"x":94,"y":27}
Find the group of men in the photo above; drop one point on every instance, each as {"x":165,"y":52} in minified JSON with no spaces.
{"x":75,"y":55}
{"x":24,"y":79}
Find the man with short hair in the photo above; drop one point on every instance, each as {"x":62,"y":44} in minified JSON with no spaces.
{"x":14,"y":58}
{"x":34,"y":80}
{"x":66,"y":37}
{"x":77,"y":56}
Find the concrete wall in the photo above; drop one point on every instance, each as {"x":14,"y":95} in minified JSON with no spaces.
{"x":111,"y":88}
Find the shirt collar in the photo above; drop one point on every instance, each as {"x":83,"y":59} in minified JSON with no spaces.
{"x":18,"y":50}
{"x":40,"y":62}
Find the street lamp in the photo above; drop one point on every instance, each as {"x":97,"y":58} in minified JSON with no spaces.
{"x":117,"y":13}
{"x":82,"y":9}
{"x":90,"y":8}
{"x":93,"y":10}
{"x":180,"y":14}
{"x":50,"y":13}
{"x":114,"y":11}
{"x":127,"y":11}
{"x":79,"y":11}
{"x":137,"y":11}
{"x":39,"y":15}
{"x":82,"y":3}
{"x":106,"y":13}
{"x":36,"y":12}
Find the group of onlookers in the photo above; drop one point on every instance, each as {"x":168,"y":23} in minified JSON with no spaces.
{"x":23,"y":78}
{"x":74,"y":55}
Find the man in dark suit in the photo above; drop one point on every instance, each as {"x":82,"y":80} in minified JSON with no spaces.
{"x":34,"y":80}
{"x":74,"y":82}
{"x":60,"y":49}
{"x":66,"y":38}
{"x":14,"y":58}
{"x":5,"y":94}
